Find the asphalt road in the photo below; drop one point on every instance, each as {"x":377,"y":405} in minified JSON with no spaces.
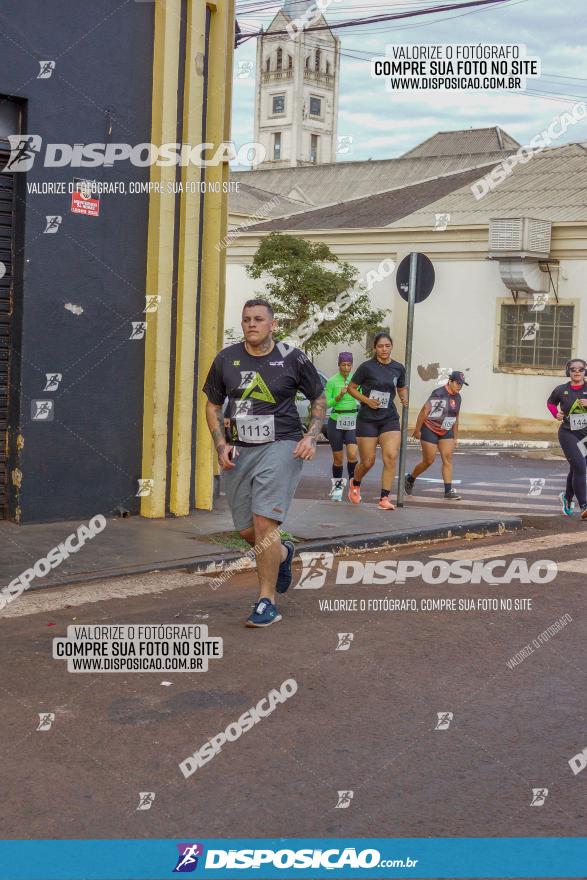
{"x":364,"y":719}
{"x":488,"y":480}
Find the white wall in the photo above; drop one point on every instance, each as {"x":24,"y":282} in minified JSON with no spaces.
{"x":457,"y":326}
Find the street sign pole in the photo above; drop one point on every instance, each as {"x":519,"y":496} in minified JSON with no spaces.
{"x":412,"y":285}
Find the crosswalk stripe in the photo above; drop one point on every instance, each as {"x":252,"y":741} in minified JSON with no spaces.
{"x":531,"y":545}
{"x":499,"y":505}
{"x":577,"y":566}
{"x":468,"y":493}
{"x":434,"y":480}
{"x":517,"y":484}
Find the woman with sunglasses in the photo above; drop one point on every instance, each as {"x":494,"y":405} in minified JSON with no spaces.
{"x":568,"y":404}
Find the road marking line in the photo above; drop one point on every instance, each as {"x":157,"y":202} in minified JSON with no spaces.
{"x":532,"y":545}
{"x":55,"y":599}
{"x":467,"y":493}
{"x":557,"y":478}
{"x":488,"y":505}
{"x":576,"y":566}
{"x":563,"y":481}
{"x":432,"y":480}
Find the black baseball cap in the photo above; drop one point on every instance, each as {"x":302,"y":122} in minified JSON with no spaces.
{"x":458,"y":376}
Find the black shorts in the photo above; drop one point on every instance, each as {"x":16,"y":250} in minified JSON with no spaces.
{"x":429,"y":436}
{"x":337,"y":437}
{"x":374,"y":429}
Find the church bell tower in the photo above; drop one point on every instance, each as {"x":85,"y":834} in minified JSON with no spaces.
{"x":297,"y":82}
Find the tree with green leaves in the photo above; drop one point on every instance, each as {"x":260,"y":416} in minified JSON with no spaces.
{"x":304,"y":281}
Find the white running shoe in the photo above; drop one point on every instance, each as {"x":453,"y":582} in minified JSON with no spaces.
{"x":337,"y":488}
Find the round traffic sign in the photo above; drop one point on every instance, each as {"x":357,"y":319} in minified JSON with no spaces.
{"x":424,"y":277}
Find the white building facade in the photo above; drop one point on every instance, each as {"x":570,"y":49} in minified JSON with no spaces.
{"x":509,"y":304}
{"x":466,"y":323}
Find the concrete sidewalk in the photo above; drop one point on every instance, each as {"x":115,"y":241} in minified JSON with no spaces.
{"x":202,"y":541}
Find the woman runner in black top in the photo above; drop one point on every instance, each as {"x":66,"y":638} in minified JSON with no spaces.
{"x":568,"y":404}
{"x":380,"y":378}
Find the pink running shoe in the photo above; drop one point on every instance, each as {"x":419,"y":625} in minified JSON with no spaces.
{"x":354,"y":492}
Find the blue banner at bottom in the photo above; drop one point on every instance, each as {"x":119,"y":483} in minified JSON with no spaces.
{"x":276,"y":858}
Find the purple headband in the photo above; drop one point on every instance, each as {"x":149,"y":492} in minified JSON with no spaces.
{"x":345,"y":356}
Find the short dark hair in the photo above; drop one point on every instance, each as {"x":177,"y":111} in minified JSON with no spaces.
{"x":259,"y":302}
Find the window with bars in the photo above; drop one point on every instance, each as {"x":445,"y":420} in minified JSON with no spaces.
{"x":530,"y":339}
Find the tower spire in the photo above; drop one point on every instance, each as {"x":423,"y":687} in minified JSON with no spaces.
{"x":296,"y":8}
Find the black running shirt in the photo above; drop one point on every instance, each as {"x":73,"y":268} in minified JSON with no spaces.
{"x":567,"y":399}
{"x":262,"y":392}
{"x":382,"y":381}
{"x":444,"y":410}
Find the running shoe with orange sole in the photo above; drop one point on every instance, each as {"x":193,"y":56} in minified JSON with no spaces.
{"x":385,"y":504}
{"x":584,"y":514}
{"x":354,"y":492}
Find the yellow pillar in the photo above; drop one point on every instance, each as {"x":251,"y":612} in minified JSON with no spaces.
{"x":189,"y":257}
{"x":220,"y":52}
{"x":160,"y":257}
{"x":225,"y":180}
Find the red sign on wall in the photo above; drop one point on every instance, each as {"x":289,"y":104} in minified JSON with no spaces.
{"x":84,"y":200}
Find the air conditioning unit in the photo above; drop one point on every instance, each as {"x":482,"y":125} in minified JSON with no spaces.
{"x":521,"y":237}
{"x":524,"y":276}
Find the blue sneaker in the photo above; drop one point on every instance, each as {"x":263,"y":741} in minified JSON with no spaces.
{"x":567,"y":506}
{"x":264,"y":614}
{"x":284,"y":575}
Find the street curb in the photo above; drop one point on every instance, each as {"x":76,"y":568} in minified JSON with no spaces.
{"x":413,"y":536}
{"x":388,"y":539}
{"x":216,"y":565}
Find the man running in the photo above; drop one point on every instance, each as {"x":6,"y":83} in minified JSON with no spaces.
{"x":263,"y":461}
{"x":378,"y":420}
{"x":341,"y":424}
{"x":568,"y":404}
{"x":437,"y":428}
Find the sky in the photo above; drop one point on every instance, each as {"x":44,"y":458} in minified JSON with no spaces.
{"x":384,"y":125}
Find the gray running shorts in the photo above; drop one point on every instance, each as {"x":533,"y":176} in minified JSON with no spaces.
{"x":263,"y":481}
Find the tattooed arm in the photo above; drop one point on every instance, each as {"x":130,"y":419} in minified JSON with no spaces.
{"x":306,"y":448}
{"x":215,"y":420}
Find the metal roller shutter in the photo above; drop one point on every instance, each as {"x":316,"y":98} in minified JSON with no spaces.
{"x":6,"y":258}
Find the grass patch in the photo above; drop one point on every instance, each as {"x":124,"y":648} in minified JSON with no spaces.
{"x":233,"y":541}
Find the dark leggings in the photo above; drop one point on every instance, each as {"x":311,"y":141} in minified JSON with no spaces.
{"x":577,"y":478}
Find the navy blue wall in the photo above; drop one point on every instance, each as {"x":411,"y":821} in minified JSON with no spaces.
{"x":87,"y":460}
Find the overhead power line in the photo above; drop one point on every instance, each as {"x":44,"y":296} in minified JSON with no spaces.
{"x":358,"y":22}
